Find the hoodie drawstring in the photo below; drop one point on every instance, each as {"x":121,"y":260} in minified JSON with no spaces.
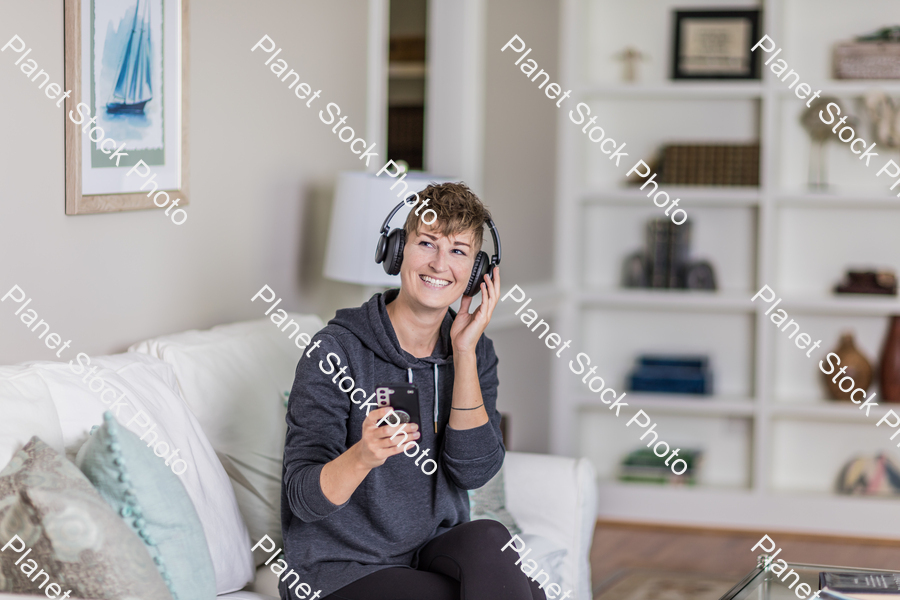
{"x":437,"y":397}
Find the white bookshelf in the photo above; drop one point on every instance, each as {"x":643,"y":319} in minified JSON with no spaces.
{"x":773,"y":444}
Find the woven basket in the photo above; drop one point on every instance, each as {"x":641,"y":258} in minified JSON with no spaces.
{"x":867,"y":60}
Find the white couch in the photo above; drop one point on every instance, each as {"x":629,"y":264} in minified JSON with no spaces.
{"x":225,"y":390}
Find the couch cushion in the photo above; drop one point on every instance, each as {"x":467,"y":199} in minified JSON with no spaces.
{"x":27,"y":410}
{"x":489,"y":502}
{"x":72,"y":534}
{"x":151,"y":499}
{"x":148,"y":385}
{"x":234,"y":378}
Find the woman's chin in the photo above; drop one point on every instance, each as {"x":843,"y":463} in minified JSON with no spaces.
{"x":434,"y":299}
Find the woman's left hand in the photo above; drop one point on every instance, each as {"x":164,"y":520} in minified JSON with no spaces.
{"x":468,"y":327}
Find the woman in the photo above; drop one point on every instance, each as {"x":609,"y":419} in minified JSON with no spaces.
{"x":359,"y":521}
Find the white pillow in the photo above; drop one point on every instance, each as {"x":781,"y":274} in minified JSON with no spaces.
{"x":150,"y":386}
{"x":549,"y":555}
{"x":27,"y":410}
{"x":235,"y":379}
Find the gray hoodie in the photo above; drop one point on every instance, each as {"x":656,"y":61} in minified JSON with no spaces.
{"x":397,"y":508}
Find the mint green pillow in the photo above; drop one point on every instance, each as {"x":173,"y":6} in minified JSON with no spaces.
{"x":489,"y":502}
{"x":153,"y":502}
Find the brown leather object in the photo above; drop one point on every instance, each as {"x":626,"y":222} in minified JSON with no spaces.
{"x":868,"y":282}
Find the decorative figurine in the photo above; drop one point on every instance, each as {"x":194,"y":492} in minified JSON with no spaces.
{"x":890,"y":363}
{"x":857,"y":368}
{"x":819,"y":133}
{"x":630,"y":57}
{"x":884,"y":113}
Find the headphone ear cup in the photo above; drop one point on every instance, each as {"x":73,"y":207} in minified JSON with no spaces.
{"x":479,"y":270}
{"x":381,"y":249}
{"x":394,"y":255}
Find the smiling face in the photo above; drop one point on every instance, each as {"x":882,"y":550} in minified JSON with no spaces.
{"x":436,"y":267}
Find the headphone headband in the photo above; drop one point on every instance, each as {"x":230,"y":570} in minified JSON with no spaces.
{"x":385,"y":228}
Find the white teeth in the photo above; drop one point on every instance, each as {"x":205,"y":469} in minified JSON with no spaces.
{"x":434,"y":281}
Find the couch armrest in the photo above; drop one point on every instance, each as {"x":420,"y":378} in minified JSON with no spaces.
{"x":556,"y":497}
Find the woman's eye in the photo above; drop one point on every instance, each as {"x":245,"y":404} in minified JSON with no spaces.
{"x":460,"y":251}
{"x":424,"y":243}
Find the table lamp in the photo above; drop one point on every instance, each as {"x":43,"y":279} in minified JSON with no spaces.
{"x":361,"y":203}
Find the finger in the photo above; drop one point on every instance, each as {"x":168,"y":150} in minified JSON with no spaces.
{"x":495,"y":290}
{"x":464,"y":305}
{"x":377,"y":414}
{"x":399,"y":442}
{"x":389,"y":431}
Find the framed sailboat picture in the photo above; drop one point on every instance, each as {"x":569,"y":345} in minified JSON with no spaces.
{"x":126,"y":119}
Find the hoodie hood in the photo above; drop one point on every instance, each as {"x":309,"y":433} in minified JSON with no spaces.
{"x":371,"y":324}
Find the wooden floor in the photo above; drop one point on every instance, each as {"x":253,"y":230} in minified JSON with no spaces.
{"x":619,"y":546}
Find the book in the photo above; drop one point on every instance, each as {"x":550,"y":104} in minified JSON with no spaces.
{"x":658,"y":232}
{"x":642,"y":465}
{"x":671,"y":375}
{"x":679,"y":248}
{"x":861,"y":585}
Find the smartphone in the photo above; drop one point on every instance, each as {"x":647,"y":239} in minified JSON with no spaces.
{"x":403,"y":398}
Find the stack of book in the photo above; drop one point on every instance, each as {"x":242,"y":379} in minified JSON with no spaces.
{"x":644,"y":466}
{"x":672,"y":375}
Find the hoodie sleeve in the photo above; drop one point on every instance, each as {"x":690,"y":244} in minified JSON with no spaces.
{"x":316,"y":429}
{"x":471,"y":457}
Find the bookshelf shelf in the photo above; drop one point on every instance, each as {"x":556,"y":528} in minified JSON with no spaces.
{"x":835,"y":87}
{"x":690,"y":195}
{"x":666,"y":299}
{"x":845,"y":305}
{"x":851,"y":201}
{"x":830,"y":410}
{"x":705,"y":90}
{"x":688,"y":405}
{"x":769,"y":425}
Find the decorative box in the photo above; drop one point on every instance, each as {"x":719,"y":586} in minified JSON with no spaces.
{"x":867,"y":60}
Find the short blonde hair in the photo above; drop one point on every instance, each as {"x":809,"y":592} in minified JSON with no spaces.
{"x":458,"y":210}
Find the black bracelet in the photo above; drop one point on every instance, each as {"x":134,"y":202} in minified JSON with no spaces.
{"x":473,"y":408}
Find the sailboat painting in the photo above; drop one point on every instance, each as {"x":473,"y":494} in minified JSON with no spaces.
{"x":127,"y":82}
{"x":134,"y":87}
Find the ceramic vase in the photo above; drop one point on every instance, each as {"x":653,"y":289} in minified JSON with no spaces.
{"x":858,"y":368}
{"x":890,"y":363}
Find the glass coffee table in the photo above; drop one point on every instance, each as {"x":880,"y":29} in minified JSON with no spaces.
{"x":763,"y":584}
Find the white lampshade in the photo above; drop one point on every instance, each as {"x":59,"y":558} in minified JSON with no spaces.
{"x":361,"y":203}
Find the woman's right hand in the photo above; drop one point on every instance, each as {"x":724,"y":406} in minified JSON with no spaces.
{"x":376,"y":445}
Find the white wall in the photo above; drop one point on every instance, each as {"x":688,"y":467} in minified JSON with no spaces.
{"x":518,"y":181}
{"x":262,"y":172}
{"x":262,"y":169}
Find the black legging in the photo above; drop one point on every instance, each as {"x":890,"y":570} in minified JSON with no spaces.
{"x":464,"y":563}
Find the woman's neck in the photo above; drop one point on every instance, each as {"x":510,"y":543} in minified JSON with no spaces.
{"x":417,"y":328}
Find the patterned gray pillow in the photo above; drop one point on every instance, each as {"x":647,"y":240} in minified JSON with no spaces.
{"x":72,"y":533}
{"x":489,"y":502}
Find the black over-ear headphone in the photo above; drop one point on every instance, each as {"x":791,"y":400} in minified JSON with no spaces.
{"x":389,"y":252}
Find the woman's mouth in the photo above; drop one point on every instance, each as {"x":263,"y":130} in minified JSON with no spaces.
{"x":433,"y":282}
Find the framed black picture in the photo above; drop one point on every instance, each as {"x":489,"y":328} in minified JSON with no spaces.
{"x":715,"y":44}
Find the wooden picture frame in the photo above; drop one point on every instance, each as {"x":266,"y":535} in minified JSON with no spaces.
{"x":715,"y":44}
{"x":107,"y":188}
